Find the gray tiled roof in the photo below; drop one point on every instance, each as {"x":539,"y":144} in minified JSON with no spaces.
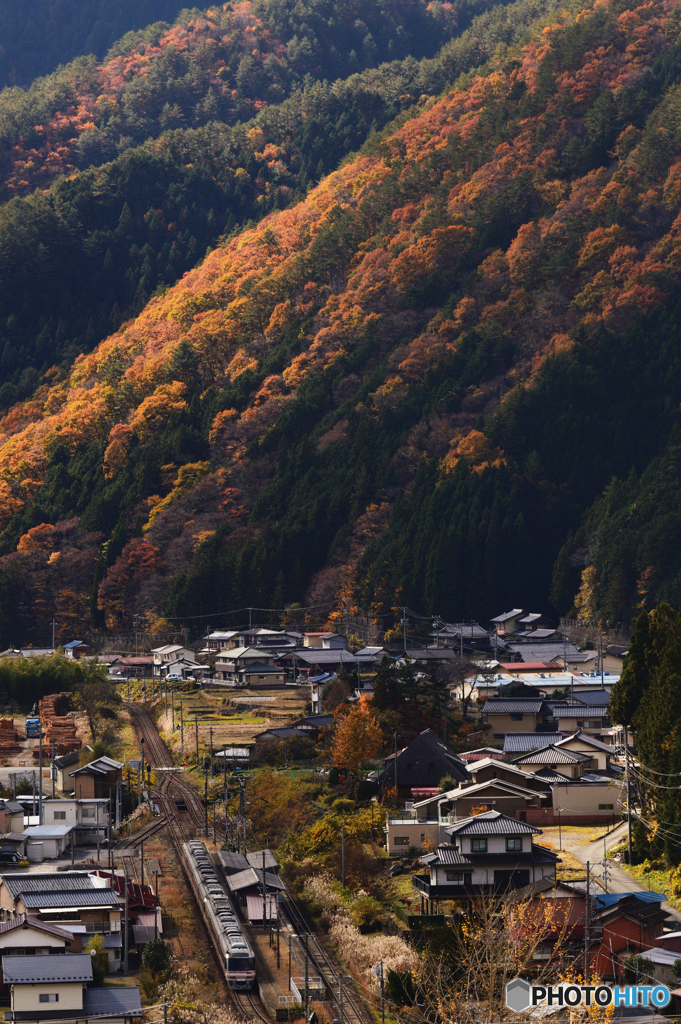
{"x":23,"y":920}
{"x":579,"y":711}
{"x":112,"y":1002}
{"x":61,"y":881}
{"x":591,"y":740}
{"x":521,"y":742}
{"x":511,"y":706}
{"x":82,"y":898}
{"x":29,"y":970}
{"x":490,"y":823}
{"x":449,"y":856}
{"x":552,"y":755}
{"x":593,"y":697}
{"x":544,"y":652}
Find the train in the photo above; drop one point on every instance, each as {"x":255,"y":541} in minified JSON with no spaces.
{"x":236,"y":955}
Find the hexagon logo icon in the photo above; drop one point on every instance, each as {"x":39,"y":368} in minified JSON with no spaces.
{"x":518,"y":995}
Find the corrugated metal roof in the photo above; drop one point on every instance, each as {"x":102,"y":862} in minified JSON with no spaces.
{"x":30,"y":970}
{"x":607,"y":899}
{"x":48,"y":831}
{"x":511,"y":706}
{"x":543,"y":651}
{"x":232,"y":862}
{"x":257,"y":860}
{"x":84,"y":898}
{"x":491,"y":823}
{"x":521,"y":742}
{"x":49,"y":881}
{"x":112,"y":1002}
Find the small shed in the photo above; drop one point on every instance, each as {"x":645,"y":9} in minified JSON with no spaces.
{"x":55,"y":838}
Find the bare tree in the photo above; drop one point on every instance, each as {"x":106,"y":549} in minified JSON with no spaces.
{"x":495,"y":940}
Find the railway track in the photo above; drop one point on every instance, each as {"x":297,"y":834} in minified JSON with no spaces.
{"x":353,"y":1010}
{"x":172,"y":790}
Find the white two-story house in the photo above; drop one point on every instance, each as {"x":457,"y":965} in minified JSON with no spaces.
{"x":488,"y":852}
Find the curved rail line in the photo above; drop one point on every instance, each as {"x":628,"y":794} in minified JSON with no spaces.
{"x":170,"y":787}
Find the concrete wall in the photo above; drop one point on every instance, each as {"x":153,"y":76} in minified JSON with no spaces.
{"x":502,"y":724}
{"x":416,"y":833}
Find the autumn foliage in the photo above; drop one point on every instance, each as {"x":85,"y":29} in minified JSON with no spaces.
{"x":358,"y":737}
{"x":418,"y":291}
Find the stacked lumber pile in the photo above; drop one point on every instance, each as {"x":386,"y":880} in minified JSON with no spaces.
{"x":58,"y":726}
{"x":9,"y":740}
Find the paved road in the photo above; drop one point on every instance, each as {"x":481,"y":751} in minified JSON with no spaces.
{"x":618,"y":880}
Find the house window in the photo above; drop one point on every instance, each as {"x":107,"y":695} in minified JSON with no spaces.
{"x":454,"y":876}
{"x":606,"y":807}
{"x":499,"y":735}
{"x":542,"y":953}
{"x":514,"y":844}
{"x":60,"y":815}
{"x":479,"y":845}
{"x":515,"y":717}
{"x":89,"y":812}
{"x":401,"y":841}
{"x":48,"y":997}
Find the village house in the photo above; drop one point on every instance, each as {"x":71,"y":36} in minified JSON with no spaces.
{"x":74,"y":900}
{"x":27,"y":936}
{"x":433,"y":815}
{"x":508,"y":622}
{"x":78,"y":649}
{"x":506,"y":715}
{"x":421,"y":764}
{"x":568,"y":763}
{"x":488,"y":852}
{"x":65,"y":767}
{"x":163,"y":656}
{"x":137,"y":667}
{"x":56,"y":988}
{"x":88,"y":818}
{"x":99,"y":779}
{"x":248,"y":666}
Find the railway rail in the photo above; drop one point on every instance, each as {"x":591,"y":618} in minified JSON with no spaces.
{"x":170,"y":791}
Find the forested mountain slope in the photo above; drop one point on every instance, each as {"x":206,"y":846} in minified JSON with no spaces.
{"x":409,"y":386}
{"x":36,"y":39}
{"x":82,"y":255}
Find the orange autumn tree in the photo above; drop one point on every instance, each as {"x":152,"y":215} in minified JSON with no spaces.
{"x":358,"y":737}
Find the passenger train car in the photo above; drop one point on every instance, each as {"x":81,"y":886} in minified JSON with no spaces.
{"x":235,"y":952}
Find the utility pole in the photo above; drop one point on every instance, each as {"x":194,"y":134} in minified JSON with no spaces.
{"x":53,"y":771}
{"x":396,"y":793}
{"x":142,"y":862}
{"x":53,"y":625}
{"x":587,"y":927}
{"x":211,"y":754}
{"x":196,"y":723}
{"x":125,"y":932}
{"x":206,"y":801}
{"x":343,"y":855}
{"x":40,"y":776}
{"x":404,"y":632}
{"x":181,"y":728}
{"x":141,"y":768}
{"x":307,"y":987}
{"x":172,"y":707}
{"x":628,"y":772}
